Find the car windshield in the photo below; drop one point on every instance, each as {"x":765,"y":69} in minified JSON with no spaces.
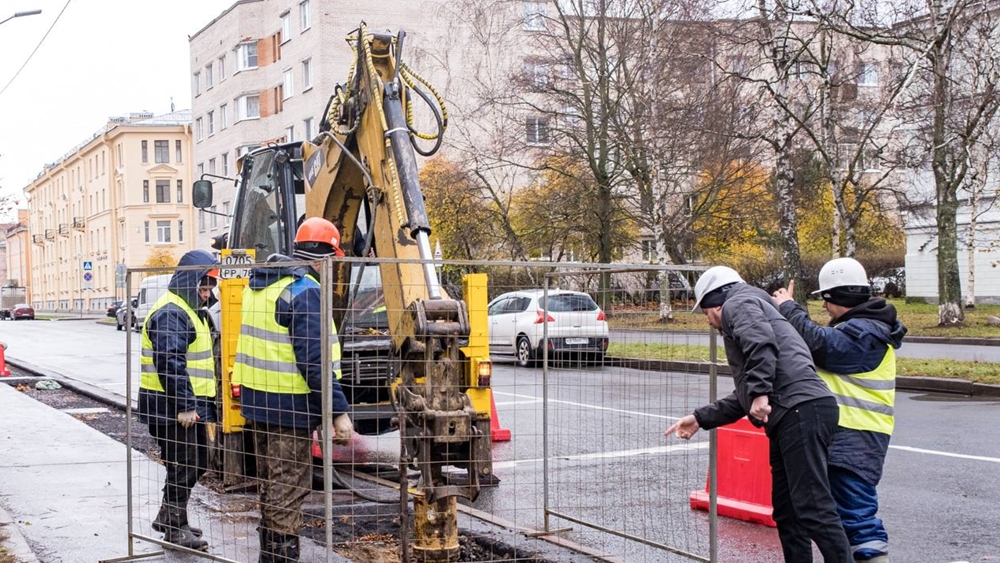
{"x":22,"y":306}
{"x":569,"y":302}
{"x":368,"y":308}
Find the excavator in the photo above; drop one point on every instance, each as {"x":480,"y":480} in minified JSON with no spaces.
{"x":411,"y":359}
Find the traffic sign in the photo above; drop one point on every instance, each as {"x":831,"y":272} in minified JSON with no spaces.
{"x":88,"y":266}
{"x":88,"y":280}
{"x":236,"y":263}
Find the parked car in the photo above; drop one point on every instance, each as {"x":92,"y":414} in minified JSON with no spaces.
{"x":22,"y":311}
{"x":122,"y":313}
{"x":576,"y":326}
{"x":113,"y":308}
{"x":150,"y":290}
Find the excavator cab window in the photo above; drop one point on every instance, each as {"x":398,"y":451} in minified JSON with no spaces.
{"x":262,"y":221}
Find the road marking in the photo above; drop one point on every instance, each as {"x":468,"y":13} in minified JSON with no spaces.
{"x":637,"y":413}
{"x":531,"y":402}
{"x":946,"y":454}
{"x":606,"y":455}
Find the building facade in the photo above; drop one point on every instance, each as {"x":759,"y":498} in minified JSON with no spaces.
{"x":17,"y":256}
{"x":119,"y":199}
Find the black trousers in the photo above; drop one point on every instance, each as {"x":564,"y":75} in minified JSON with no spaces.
{"x":804,"y":508}
{"x":185,"y":454}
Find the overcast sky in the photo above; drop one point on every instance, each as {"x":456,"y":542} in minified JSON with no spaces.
{"x":103,"y":58}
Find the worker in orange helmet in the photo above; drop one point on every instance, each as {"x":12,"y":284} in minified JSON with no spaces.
{"x":279,"y":366}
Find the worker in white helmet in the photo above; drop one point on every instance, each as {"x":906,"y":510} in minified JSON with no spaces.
{"x":856,"y":358}
{"x":776,"y":387}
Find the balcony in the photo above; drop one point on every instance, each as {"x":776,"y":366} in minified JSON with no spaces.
{"x":64,"y":229}
{"x":50,"y":234}
{"x":38,"y":239}
{"x":78,"y":223}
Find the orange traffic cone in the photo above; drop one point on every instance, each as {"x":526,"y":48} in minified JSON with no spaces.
{"x":744,"y":470}
{"x":4,"y":372}
{"x":497,"y":434}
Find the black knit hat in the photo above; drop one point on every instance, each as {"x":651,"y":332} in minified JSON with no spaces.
{"x":847,"y":295}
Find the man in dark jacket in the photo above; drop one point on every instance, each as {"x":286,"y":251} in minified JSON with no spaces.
{"x":279,"y":366}
{"x":777,"y":386}
{"x":857,"y":360}
{"x":177,"y":389}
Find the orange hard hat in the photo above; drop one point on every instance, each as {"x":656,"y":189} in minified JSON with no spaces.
{"x":213,"y":273}
{"x":318,"y":237}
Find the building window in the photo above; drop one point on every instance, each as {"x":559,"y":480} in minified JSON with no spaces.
{"x":222,"y":68}
{"x":177,"y":151}
{"x":201,"y":220}
{"x":215,"y":218}
{"x":288,"y":84}
{"x":163,"y":191}
{"x":286,"y":27}
{"x":225,"y":211}
{"x":161,"y":151}
{"x":201,"y":170}
{"x":211,"y":166}
{"x":145,"y":152}
{"x":247,"y":107}
{"x":307,"y":128}
{"x":246,"y":56}
{"x":196,"y":82}
{"x":223,"y":119}
{"x":307,"y":75}
{"x":211,"y":123}
{"x":304,"y":15}
{"x":198,"y":130}
{"x":180,"y":191}
{"x":209,"y":79}
{"x":145,"y":225}
{"x":163,"y":232}
{"x":536,"y":75}
{"x":533,"y":16}
{"x":145,"y":192}
{"x":868,"y":75}
{"x":225,"y":163}
{"x":290,"y":134}
{"x":180,"y":230}
{"x":537,"y":130}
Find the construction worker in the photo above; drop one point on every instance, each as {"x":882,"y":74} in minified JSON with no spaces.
{"x":856,"y":358}
{"x":177,"y":389}
{"x":778,"y":388}
{"x":278,"y":364}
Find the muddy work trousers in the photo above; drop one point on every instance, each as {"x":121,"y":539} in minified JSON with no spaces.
{"x":185,"y":455}
{"x":284,"y":467}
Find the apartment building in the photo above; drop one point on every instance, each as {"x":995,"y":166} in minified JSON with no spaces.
{"x":111,"y":202}
{"x":17,"y":255}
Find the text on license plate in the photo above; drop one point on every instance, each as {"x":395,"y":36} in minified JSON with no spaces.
{"x":572,"y":341}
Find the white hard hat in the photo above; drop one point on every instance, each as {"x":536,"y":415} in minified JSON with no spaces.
{"x":842,"y":272}
{"x":713,"y":278}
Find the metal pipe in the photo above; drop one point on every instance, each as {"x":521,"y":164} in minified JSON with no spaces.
{"x":545,"y":403}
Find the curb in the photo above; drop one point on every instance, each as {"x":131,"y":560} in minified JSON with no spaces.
{"x":903,"y":382}
{"x":16,"y":543}
{"x":86,"y":389}
{"x":957,"y":340}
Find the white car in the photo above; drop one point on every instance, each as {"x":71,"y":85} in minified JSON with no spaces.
{"x":576,"y":325}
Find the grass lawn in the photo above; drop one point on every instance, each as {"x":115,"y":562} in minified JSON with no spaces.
{"x":978,"y":372}
{"x":920,"y":319}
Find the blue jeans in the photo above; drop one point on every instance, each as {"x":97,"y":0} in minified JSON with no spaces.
{"x":857,"y":503}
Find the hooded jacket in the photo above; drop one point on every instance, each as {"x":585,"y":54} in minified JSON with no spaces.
{"x":171,"y":332}
{"x":856,"y":343}
{"x":298,"y":310}
{"x":767,"y":357}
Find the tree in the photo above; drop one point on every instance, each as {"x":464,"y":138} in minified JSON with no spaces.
{"x":161,"y":258}
{"x":460,"y":217}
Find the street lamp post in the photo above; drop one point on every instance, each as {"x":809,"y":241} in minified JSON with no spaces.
{"x":22,"y":14}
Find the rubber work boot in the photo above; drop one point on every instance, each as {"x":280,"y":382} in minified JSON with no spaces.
{"x":160,"y":524}
{"x":278,"y":548}
{"x":178,"y":533}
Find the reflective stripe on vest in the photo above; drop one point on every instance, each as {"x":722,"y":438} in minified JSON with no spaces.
{"x":199,"y":357}
{"x":265,"y":357}
{"x":866,"y":399}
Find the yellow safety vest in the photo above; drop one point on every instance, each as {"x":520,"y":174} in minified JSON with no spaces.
{"x":866,"y":399}
{"x":200,"y":361}
{"x":265,"y":357}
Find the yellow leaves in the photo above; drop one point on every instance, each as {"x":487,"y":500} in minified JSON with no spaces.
{"x":160,"y":258}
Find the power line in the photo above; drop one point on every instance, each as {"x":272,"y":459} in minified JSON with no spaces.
{"x":16,"y":74}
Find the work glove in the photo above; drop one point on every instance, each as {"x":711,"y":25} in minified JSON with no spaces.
{"x":343,"y":429}
{"x":187,"y":418}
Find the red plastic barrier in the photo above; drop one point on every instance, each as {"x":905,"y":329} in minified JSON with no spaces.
{"x":497,"y":434}
{"x":744,"y":475}
{"x":4,"y":372}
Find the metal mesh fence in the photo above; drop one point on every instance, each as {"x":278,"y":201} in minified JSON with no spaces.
{"x":583,"y":370}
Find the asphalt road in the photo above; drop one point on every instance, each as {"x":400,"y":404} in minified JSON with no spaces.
{"x":609,"y":465}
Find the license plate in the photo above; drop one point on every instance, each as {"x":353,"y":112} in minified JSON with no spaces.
{"x":573,"y":341}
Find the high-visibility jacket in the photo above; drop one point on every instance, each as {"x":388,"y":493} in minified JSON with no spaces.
{"x":866,"y":399}
{"x":265,"y":357}
{"x":199,"y":359}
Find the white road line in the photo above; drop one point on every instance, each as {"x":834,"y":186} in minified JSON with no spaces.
{"x":606,"y":455}
{"x":531,"y":402}
{"x":946,"y":454}
{"x":636,"y":413}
